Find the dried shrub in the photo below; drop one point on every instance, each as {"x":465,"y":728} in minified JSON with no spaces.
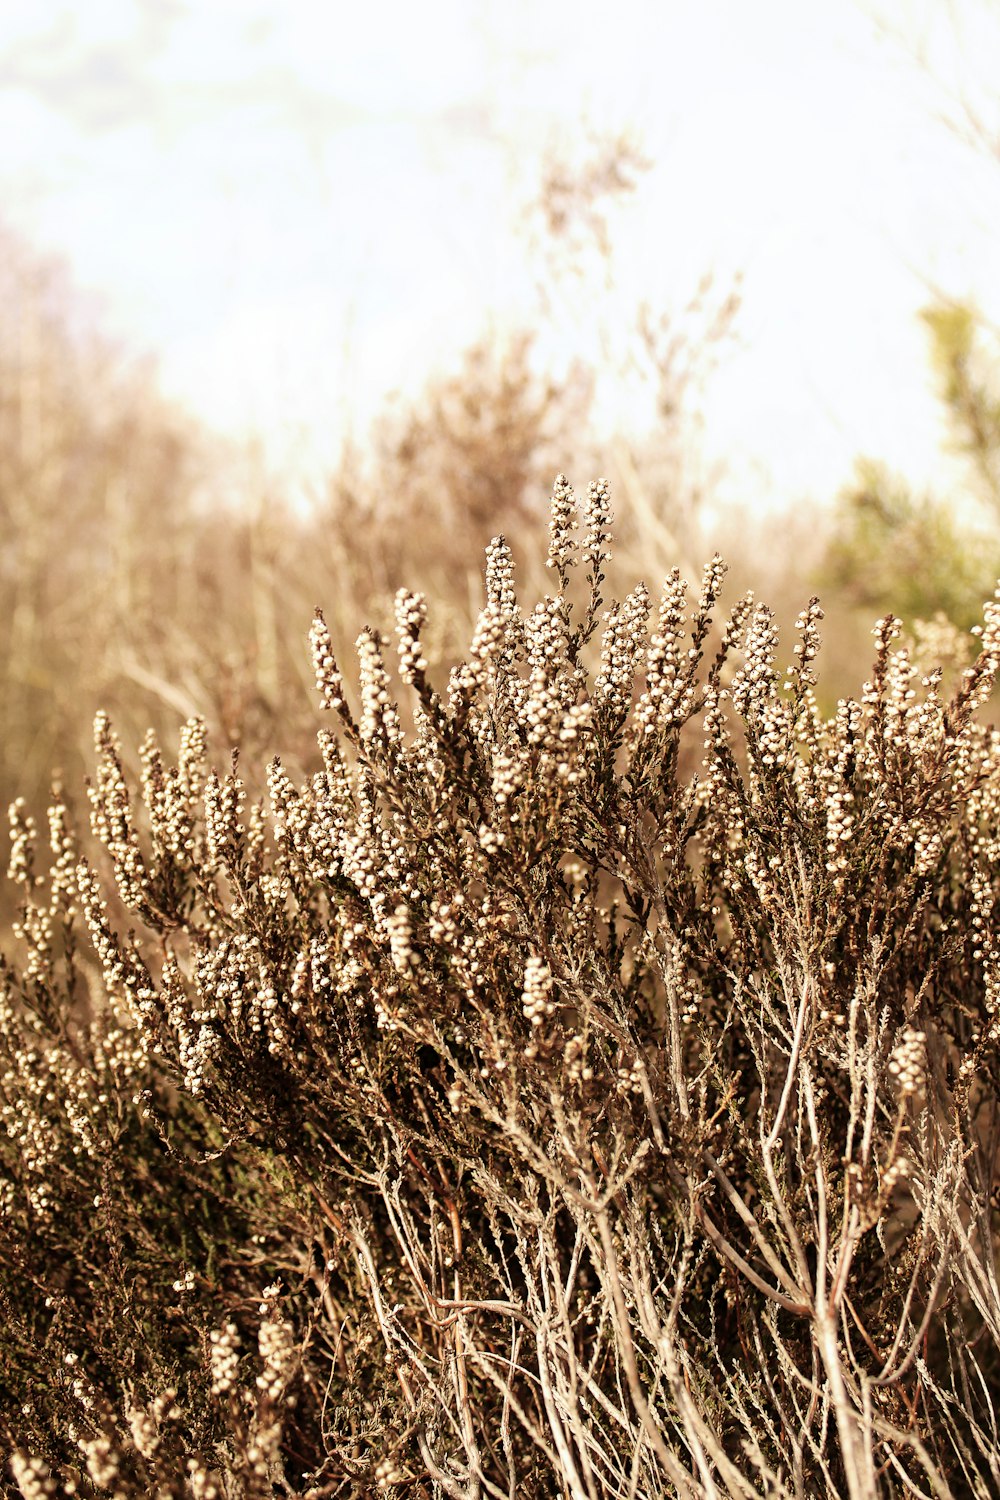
{"x":509,"y":1110}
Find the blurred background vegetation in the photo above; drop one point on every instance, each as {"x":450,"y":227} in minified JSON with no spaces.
{"x":155,"y":571}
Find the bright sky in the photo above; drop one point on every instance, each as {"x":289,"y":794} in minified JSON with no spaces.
{"x":300,"y":205}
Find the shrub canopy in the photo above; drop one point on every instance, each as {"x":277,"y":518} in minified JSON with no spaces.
{"x":584,"y":1084}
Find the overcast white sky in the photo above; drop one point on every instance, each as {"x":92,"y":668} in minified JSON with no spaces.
{"x":299,"y":205}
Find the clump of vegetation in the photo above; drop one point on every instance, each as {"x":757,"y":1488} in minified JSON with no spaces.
{"x":928,"y":556}
{"x":584,"y":1084}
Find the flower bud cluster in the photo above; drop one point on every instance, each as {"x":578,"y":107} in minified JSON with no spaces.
{"x":444,"y":926}
{"x":203,"y":1485}
{"x":824,"y":779}
{"x":622,"y":646}
{"x":753,"y":683}
{"x":488,"y":640}
{"x":713,"y":576}
{"x":388,"y":1472}
{"x":839,"y":827}
{"x":497,"y":630}
{"x":773,"y":746}
{"x":291,"y":813}
{"x":172,"y":796}
{"x":578,"y":1071}
{"x":982,"y":916}
{"x":710,"y":789}
{"x":276,"y":1343}
{"x":116,"y":969}
{"x":506,"y":778}
{"x":597,"y":523}
{"x":884,"y":632}
{"x":411,"y":613}
{"x":666,"y":684}
{"x":400,"y":949}
{"x":111,"y":817}
{"x":899,"y":701}
{"x":536,"y":998}
{"x":263,"y":1451}
{"x":223,"y":812}
{"x":329,"y":682}
{"x":629,"y":1080}
{"x":34,"y":927}
{"x":103,"y":1459}
{"x":193,"y":1026}
{"x":23,"y":835}
{"x":550,"y":689}
{"x":569,"y":763}
{"x":928,"y":847}
{"x":893,"y":1175}
{"x":979,"y":679}
{"x":457,"y":1099}
{"x":28,"y":1121}
{"x":144,"y":1429}
{"x":562,"y":522}
{"x":65,"y":856}
{"x":500,"y":589}
{"x":939,"y":645}
{"x":32,"y":1477}
{"x":362,"y":854}
{"x":379,"y":717}
{"x":801,"y":676}
{"x":908,"y":1063}
{"x":224,"y":1358}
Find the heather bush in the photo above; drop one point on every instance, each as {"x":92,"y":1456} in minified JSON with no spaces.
{"x":584,"y":1084}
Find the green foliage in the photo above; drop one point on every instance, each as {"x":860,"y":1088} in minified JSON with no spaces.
{"x":891,"y":546}
{"x":583,"y":1083}
{"x":920,"y":555}
{"x":967,"y":385}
